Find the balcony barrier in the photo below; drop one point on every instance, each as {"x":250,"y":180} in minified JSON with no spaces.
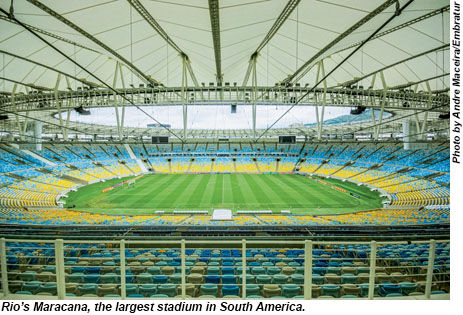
{"x":218,"y":269}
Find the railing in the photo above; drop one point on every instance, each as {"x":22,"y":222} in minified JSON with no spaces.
{"x":190,"y":268}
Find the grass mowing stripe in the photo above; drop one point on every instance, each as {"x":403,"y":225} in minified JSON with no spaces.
{"x":197,"y":194}
{"x":235,"y":191}
{"x":169,"y":200}
{"x":136,"y":195}
{"x":208,"y":191}
{"x":362,"y":191}
{"x":238,"y":197}
{"x":277,"y":190}
{"x":261,"y":196}
{"x":368,"y":200}
{"x":228,"y":194}
{"x":343,"y":199}
{"x":145,"y":186}
{"x":151,"y":197}
{"x":248,"y":194}
{"x":84,"y":195}
{"x":185,"y":191}
{"x":217,"y":197}
{"x":273,"y":199}
{"x":96,"y":198}
{"x":327,"y":193}
{"x":307,"y":194}
{"x":155,"y":193}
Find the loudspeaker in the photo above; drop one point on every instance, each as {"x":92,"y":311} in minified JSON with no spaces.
{"x":358,"y":110}
{"x":441,"y":116}
{"x":82,"y":111}
{"x":233,"y":108}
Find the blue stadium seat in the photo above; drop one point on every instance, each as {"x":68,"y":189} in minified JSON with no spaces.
{"x":32,"y":286}
{"x":131,"y":289}
{"x":230,"y":290}
{"x":330,"y":290}
{"x":147,"y":290}
{"x":88,"y":288}
{"x":92,"y":278}
{"x":228,"y":271}
{"x":168,"y":289}
{"x":214,"y":279}
{"x":388,"y":288}
{"x":290,"y":290}
{"x":160,"y":279}
{"x":252,"y":289}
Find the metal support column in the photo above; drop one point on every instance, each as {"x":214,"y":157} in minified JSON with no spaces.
{"x":254,"y":95}
{"x":60,"y":273}
{"x":320,"y":118}
{"x":122,"y":121}
{"x":4,"y":267}
{"x":24,"y":127}
{"x":122,"y":265}
{"x":383,"y":103}
{"x":243,"y":265}
{"x":373,"y":80}
{"x":308,"y":269}
{"x":373,"y":116}
{"x":417,"y":121}
{"x":371,"y":283}
{"x":183,"y":259}
{"x":60,"y":115}
{"x":430,"y":270}
{"x":68,"y":118}
{"x":15,"y":109}
{"x":425,"y":118}
{"x":320,"y":125}
{"x":68,"y":83}
{"x":116,"y":109}
{"x":248,"y":72}
{"x":317,"y":76}
{"x":184,"y":98}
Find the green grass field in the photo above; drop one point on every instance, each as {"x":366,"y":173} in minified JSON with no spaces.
{"x":274,"y":192}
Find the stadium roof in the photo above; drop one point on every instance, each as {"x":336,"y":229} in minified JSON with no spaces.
{"x":149,"y":38}
{"x":354,"y":53}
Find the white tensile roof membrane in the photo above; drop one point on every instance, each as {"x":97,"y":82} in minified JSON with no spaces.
{"x":312,"y":25}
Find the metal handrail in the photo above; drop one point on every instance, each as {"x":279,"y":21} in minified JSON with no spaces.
{"x":308,"y":246}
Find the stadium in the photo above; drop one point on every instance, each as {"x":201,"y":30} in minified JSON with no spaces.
{"x":237,"y":149}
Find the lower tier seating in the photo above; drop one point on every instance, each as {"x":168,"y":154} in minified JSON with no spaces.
{"x":338,"y":270}
{"x":375,"y":217}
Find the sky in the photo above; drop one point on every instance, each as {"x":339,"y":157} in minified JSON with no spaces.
{"x":210,"y":116}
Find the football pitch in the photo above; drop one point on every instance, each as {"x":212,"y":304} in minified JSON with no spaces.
{"x":276,"y":192}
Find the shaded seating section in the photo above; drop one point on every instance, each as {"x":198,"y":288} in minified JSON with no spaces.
{"x":338,"y":270}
